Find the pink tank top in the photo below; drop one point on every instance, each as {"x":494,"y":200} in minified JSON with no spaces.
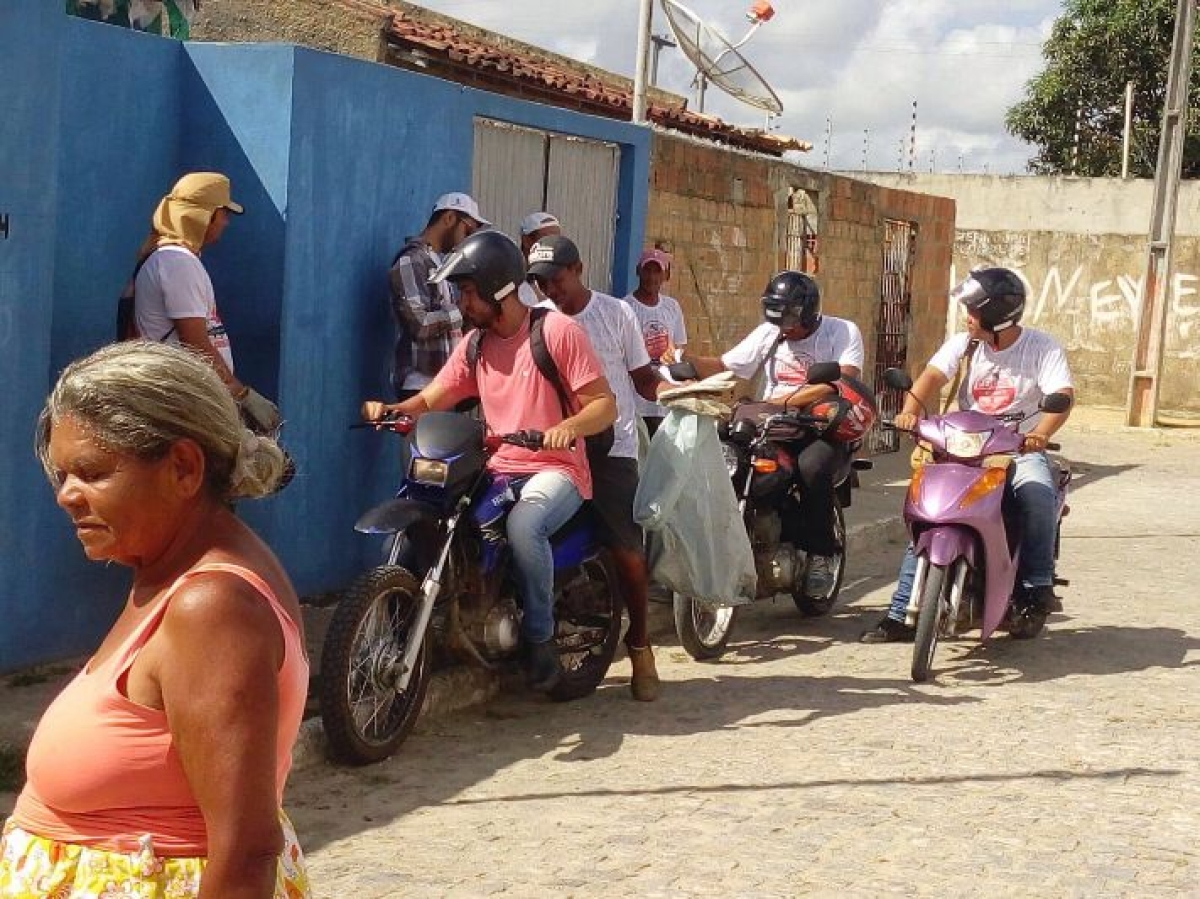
{"x":103,"y":770}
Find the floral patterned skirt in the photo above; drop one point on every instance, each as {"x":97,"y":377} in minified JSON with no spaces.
{"x":33,"y":867}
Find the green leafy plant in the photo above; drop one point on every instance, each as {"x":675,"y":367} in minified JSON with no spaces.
{"x":1074,"y":111}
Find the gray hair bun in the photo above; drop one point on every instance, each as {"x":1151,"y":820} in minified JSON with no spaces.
{"x":258,"y":468}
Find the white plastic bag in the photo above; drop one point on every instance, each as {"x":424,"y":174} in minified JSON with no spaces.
{"x":685,"y":501}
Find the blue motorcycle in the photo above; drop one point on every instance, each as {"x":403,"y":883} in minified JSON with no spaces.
{"x":447,"y":592}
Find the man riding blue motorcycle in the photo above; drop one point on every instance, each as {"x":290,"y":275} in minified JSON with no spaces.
{"x":552,"y":482}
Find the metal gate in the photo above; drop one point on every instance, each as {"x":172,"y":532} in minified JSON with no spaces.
{"x":800,"y":254}
{"x":517,"y":170}
{"x":891,"y":330}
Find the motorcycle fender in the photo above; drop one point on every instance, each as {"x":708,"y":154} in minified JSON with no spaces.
{"x":395,"y":515}
{"x":942,"y":545}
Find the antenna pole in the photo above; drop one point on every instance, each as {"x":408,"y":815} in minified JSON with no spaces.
{"x":866,"y":146}
{"x":828,"y":138}
{"x":645,"y":16}
{"x":912,"y":145}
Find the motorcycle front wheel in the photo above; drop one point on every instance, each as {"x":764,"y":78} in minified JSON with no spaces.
{"x":817,"y":606}
{"x":934,"y":606}
{"x":703,"y":629}
{"x":366,"y":717}
{"x":587,"y":627}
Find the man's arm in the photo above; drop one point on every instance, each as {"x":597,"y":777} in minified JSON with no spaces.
{"x":193,"y":333}
{"x":410,"y":303}
{"x":924,"y":392}
{"x":433,"y":398}
{"x":597,"y":410}
{"x":1048,"y":425}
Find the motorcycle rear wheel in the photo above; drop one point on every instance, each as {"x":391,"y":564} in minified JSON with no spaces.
{"x":365,"y":717}
{"x":934,"y":606}
{"x":817,"y":606}
{"x":587,"y":612}
{"x":703,"y":629}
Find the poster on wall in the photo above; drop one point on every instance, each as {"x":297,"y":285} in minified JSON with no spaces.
{"x":172,"y":18}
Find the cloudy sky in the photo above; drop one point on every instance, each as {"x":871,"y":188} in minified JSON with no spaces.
{"x":849,"y":68}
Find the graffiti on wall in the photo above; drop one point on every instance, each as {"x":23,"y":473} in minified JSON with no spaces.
{"x":1091,"y":306}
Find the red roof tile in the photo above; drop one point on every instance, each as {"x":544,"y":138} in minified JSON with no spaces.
{"x":558,"y":84}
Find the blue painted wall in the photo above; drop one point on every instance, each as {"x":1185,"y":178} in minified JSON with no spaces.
{"x":336,"y":161}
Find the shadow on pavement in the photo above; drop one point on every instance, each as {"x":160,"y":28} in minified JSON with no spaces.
{"x":1053,"y":774}
{"x":438,"y":763}
{"x":1061,"y":651}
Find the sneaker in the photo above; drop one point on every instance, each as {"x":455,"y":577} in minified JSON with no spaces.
{"x":644,"y":683}
{"x":822,"y":572}
{"x":889,"y":630}
{"x":543,"y":670}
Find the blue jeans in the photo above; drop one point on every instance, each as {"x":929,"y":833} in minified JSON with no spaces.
{"x":547,"y":502}
{"x":1031,"y":482}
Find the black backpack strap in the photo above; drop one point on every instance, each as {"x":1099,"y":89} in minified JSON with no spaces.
{"x":543,"y":360}
{"x":474,"y":342}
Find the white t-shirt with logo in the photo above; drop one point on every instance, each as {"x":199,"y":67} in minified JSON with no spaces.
{"x":1011,"y":380}
{"x":173,"y":284}
{"x":613,"y":331}
{"x":786,"y":370}
{"x":661,"y":324}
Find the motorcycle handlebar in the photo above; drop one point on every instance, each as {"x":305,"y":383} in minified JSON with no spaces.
{"x":530,"y":440}
{"x":397,"y":424}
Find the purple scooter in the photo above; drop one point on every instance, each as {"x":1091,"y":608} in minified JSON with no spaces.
{"x":966,"y":556}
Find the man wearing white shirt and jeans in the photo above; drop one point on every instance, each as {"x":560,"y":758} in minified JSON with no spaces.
{"x":612,"y":329}
{"x":795,"y":336}
{"x":1008,"y":369}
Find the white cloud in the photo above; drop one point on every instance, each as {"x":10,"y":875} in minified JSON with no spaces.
{"x":857,"y":63}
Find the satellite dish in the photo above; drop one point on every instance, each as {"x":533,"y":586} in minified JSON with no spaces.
{"x":719,"y":61}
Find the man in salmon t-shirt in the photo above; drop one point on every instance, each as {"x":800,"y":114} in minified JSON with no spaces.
{"x":553,"y":482}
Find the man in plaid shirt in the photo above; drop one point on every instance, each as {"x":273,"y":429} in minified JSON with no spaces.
{"x":428,"y":323}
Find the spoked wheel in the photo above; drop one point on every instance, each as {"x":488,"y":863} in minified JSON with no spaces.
{"x":703,"y":629}
{"x":366,"y":715}
{"x":935,"y":606}
{"x":587,"y":627}
{"x":816,"y":606}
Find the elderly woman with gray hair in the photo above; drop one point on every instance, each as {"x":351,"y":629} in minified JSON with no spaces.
{"x":159,"y":770}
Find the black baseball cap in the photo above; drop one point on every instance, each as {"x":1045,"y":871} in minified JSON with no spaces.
{"x":550,"y":255}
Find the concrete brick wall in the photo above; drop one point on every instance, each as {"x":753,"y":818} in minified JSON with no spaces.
{"x":724,"y":216}
{"x":1080,"y":245}
{"x":308,"y":23}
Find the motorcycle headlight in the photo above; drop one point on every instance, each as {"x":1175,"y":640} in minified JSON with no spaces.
{"x":965,"y":444}
{"x":429,"y":471}
{"x":732,"y":460}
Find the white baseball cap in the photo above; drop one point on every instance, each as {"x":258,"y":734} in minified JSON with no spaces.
{"x":536,"y":221}
{"x":463,"y":203}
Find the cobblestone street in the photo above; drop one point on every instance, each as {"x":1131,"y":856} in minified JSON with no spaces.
{"x":808,"y":764}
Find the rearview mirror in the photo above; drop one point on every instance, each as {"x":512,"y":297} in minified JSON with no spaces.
{"x":824,"y":373}
{"x":1055,"y":402}
{"x":898,"y":379}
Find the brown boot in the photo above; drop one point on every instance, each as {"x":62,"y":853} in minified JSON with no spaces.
{"x":644,"y":683}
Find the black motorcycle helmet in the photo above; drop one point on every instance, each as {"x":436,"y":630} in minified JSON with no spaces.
{"x":996,"y":296}
{"x":792,"y":298}
{"x":488,"y":258}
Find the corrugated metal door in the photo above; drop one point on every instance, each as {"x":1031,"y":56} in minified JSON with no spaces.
{"x":581,"y":189}
{"x":519,"y":170}
{"x":508,"y":173}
